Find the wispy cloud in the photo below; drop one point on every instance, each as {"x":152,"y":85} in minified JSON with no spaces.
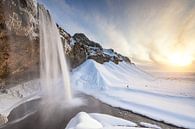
{"x":148,"y":30}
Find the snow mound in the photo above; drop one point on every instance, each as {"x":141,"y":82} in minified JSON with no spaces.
{"x":98,"y":121}
{"x":97,"y":76}
{"x":94,"y":78}
{"x":83,"y":121}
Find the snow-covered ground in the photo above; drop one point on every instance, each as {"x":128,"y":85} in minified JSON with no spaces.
{"x":17,"y":95}
{"x":102,"y":121}
{"x":128,"y":87}
{"x":125,"y":86}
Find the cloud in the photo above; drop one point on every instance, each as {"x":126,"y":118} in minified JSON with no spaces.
{"x":112,"y":37}
{"x":169,"y":26}
{"x":146,"y":30}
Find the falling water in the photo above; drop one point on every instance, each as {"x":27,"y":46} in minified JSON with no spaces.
{"x":53,"y":66}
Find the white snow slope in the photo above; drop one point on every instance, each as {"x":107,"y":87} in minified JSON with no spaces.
{"x":128,"y":87}
{"x":99,"y":121}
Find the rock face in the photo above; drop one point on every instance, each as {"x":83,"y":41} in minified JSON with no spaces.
{"x":18,"y":40}
{"x":78,"y":48}
{"x":19,"y":44}
{"x":82,"y":49}
{"x":65,"y":37}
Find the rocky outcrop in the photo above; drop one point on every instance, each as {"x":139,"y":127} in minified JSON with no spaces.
{"x":3,"y":119}
{"x":78,"y":48}
{"x":65,"y":37}
{"x":18,"y":17}
{"x":18,"y":40}
{"x":82,"y":49}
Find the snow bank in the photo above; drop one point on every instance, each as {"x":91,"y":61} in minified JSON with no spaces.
{"x":107,"y":120}
{"x":84,"y":121}
{"x":98,"y":121}
{"x":128,"y":87}
{"x":149,"y":125}
{"x":17,"y":95}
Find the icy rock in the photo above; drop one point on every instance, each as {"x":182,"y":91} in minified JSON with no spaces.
{"x":3,"y":119}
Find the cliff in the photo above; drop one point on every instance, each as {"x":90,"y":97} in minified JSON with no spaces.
{"x":19,"y":44}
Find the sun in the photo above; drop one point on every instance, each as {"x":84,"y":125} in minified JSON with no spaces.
{"x":180,"y":59}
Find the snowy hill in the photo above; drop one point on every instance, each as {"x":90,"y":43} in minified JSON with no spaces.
{"x":130,"y":88}
{"x":124,"y":75}
{"x":94,"y":75}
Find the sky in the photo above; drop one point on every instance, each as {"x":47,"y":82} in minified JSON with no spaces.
{"x":158,"y":33}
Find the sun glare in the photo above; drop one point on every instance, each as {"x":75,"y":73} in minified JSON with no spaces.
{"x":179,"y":59}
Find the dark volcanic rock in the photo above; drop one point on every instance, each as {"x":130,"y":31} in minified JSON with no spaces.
{"x":83,"y":49}
{"x":65,"y":37}
{"x":78,"y":48}
{"x":81,"y":38}
{"x":77,"y":55}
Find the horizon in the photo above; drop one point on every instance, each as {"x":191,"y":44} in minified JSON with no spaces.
{"x":136,"y":29}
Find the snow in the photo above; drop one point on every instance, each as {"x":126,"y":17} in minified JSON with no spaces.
{"x":149,"y":125}
{"x":84,"y":120}
{"x":123,"y":85}
{"x":107,"y":120}
{"x":128,"y":87}
{"x":109,"y":52}
{"x":18,"y":95}
{"x":72,"y":42}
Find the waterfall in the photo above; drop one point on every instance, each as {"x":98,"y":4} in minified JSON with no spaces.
{"x":53,"y":67}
